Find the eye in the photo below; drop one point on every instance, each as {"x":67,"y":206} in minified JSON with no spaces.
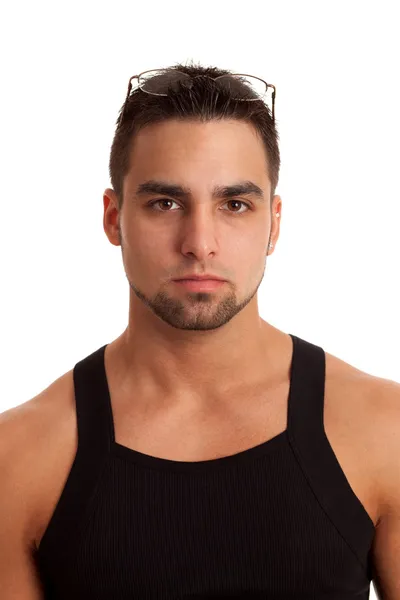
{"x":154,"y":202}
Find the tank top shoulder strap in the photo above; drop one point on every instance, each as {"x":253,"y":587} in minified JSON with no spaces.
{"x":93,"y":425}
{"x":313,"y":451}
{"x":93,"y":410}
{"x":307,"y":390}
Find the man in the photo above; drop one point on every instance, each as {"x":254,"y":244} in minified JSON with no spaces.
{"x":203,"y":453}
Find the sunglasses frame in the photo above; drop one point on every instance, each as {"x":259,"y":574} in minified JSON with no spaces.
{"x":267,"y":85}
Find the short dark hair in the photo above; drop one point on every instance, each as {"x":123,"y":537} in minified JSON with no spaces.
{"x":202,"y":102}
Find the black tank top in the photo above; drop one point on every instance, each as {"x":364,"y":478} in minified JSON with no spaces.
{"x":277,"y":521}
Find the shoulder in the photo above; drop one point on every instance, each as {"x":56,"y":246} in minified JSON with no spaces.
{"x":374,"y":428}
{"x":380,"y":399}
{"x":376,"y":399}
{"x":30,"y":449}
{"x":385,"y":398}
{"x":386,"y":543}
{"x":366,"y":409}
{"x":29,"y":425}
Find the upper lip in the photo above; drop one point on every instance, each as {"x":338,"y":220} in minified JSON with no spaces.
{"x":201,"y":277}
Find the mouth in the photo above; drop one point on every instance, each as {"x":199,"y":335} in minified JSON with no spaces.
{"x":200,"y":285}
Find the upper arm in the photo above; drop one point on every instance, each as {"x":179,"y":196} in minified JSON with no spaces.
{"x":386,"y":544}
{"x":18,"y":572}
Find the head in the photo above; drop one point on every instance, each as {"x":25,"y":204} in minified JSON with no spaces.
{"x":200,"y":142}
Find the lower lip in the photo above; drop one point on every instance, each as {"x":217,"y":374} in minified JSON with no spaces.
{"x":207,"y":285}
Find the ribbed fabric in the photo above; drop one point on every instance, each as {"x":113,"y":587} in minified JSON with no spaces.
{"x":278,"y":521}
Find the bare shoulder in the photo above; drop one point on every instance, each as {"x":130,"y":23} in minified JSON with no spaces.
{"x":375,"y":400}
{"x":30,"y":425}
{"x":357,"y":392}
{"x":379,"y":447}
{"x":362,"y":421}
{"x":32,"y":447}
{"x":386,"y":544}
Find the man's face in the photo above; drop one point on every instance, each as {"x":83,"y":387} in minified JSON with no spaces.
{"x":178,"y":236}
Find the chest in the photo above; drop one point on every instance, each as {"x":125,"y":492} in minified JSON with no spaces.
{"x":253,"y":416}
{"x":229,"y":426}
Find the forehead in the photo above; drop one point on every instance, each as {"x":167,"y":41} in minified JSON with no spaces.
{"x":183,"y":148}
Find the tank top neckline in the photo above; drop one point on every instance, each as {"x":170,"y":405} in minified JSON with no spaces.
{"x":130,"y":454}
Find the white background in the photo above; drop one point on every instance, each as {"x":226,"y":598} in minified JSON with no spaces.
{"x":333,"y":278}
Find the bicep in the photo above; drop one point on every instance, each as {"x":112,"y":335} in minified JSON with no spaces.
{"x":386,"y":544}
{"x":19,"y":578}
{"x":386,"y":556}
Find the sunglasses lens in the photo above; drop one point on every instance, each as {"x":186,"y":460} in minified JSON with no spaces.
{"x":161,"y":82}
{"x":241,"y":87}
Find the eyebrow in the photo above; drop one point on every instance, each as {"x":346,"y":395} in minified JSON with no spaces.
{"x":153,"y":186}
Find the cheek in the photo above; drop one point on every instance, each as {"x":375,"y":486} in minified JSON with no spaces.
{"x":148,"y":253}
{"x":248,"y":248}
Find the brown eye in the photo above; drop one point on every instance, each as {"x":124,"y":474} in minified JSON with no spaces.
{"x":238,"y":202}
{"x":160,"y":200}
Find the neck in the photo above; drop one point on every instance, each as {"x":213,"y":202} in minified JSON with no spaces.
{"x":200,"y":370}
